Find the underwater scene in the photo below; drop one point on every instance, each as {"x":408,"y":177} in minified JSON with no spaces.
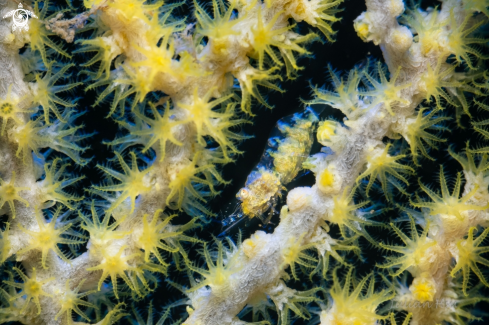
{"x":233,"y":162}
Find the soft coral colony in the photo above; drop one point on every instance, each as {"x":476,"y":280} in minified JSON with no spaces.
{"x":68,"y":259}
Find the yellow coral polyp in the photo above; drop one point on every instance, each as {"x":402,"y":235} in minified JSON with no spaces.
{"x":265,"y":35}
{"x":107,"y":51}
{"x":181,"y":185}
{"x":45,"y":92}
{"x":31,"y":288}
{"x":431,"y":31}
{"x":219,"y":272}
{"x":188,"y":67}
{"x":161,"y":129}
{"x":220,"y":46}
{"x":326,"y":178}
{"x":379,"y":164}
{"x":325,"y":131}
{"x":476,"y":173}
{"x":345,"y":95}
{"x":10,"y":193}
{"x":386,"y":92}
{"x":402,"y":38}
{"x":459,"y":41}
{"x":10,"y":110}
{"x":417,"y":135}
{"x":355,"y":306}
{"x":133,"y":182}
{"x":317,"y":13}
{"x":362,"y":29}
{"x":396,"y":7}
{"x":249,"y":79}
{"x":115,"y":266}
{"x":70,"y":300}
{"x":201,"y":113}
{"x":137,"y":79}
{"x":344,"y":215}
{"x":430,"y":42}
{"x":250,"y":247}
{"x":219,"y":29}
{"x":101,"y":233}
{"x":423,"y":288}
{"x":415,"y":255}
{"x":27,"y":139}
{"x":159,"y":59}
{"x":208,"y":120}
{"x":469,"y":254}
{"x":153,"y":236}
{"x":48,"y":237}
{"x":39,"y":35}
{"x":50,"y":189}
{"x":434,"y":80}
{"x":449,"y":204}
{"x":294,"y":253}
